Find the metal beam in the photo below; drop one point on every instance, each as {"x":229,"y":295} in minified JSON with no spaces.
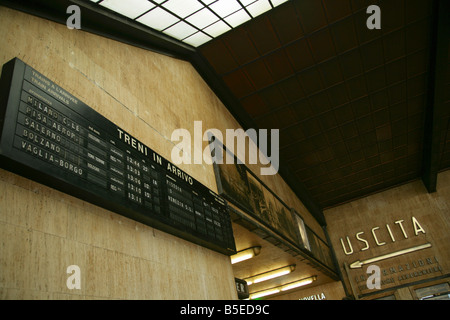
{"x":435,"y":104}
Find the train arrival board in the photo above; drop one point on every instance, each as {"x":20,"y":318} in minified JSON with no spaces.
{"x":52,"y":137}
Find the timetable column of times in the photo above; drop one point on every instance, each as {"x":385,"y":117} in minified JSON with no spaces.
{"x":142,"y":183}
{"x":129,"y":176}
{"x":133,"y":178}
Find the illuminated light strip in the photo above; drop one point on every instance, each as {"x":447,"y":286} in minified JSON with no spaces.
{"x":297,"y":284}
{"x":242,"y":258}
{"x":245,"y":254}
{"x":270,"y":274}
{"x":285,"y":287}
{"x":264,"y":293}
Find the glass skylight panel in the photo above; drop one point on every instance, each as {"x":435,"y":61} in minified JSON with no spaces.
{"x":182,"y":8}
{"x":130,"y":8}
{"x":237,"y":18}
{"x":217,"y":29}
{"x":203,"y":18}
{"x":225,"y":7}
{"x":259,"y":7}
{"x":194,"y":22}
{"x":247,"y":2}
{"x":158,"y":19}
{"x":208,"y":2}
{"x":180,"y":30}
{"x":278,"y":2}
{"x":197,"y":39}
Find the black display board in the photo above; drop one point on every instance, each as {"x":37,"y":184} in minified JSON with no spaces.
{"x":52,"y":137}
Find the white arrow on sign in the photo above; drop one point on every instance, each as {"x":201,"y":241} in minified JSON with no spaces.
{"x":359,"y":264}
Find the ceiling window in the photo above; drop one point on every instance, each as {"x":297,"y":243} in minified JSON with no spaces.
{"x":194,"y":22}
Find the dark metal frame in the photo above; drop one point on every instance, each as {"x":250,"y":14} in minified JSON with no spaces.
{"x":436,"y":94}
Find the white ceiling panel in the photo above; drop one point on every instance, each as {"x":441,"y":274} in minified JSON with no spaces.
{"x":194,"y":22}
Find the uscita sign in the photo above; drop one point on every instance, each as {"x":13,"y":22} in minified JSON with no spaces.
{"x":393,"y":231}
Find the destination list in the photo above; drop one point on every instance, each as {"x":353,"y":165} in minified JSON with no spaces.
{"x":50,"y":130}
{"x":81,"y":150}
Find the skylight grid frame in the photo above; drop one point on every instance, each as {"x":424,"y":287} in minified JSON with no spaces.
{"x":185,"y":22}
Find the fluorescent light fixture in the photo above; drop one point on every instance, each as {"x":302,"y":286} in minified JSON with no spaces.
{"x":264,"y":293}
{"x":297,"y":284}
{"x":245,"y":254}
{"x":131,"y":8}
{"x":270,"y":274}
{"x":285,"y":287}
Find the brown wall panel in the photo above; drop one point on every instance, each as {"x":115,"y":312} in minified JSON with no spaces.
{"x":425,"y":220}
